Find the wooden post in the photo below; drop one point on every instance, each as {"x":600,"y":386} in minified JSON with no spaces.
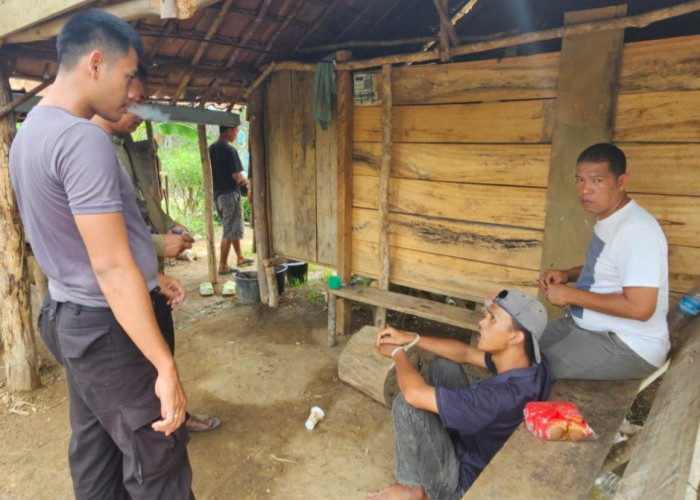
{"x":585,"y":108}
{"x":256,"y":136}
{"x":155,"y":165}
{"x":346,"y":104}
{"x":384,"y":179}
{"x":331,"y":318}
{"x":208,"y":201}
{"x":19,"y":347}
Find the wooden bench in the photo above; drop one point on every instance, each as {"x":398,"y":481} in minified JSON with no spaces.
{"x":664,"y":463}
{"x":429,"y":309}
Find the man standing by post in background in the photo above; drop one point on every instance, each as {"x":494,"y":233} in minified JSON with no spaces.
{"x":229,"y":181}
{"x":615,"y":325}
{"x":136,"y":160}
{"x":127,"y":404}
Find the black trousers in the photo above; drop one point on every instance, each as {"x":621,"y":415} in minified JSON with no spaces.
{"x":114,"y":453}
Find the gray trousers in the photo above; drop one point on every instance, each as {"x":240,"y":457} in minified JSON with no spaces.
{"x":425,"y":453}
{"x":576,"y":353}
{"x":113,"y":452}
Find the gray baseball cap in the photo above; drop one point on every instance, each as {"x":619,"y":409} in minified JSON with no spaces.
{"x":528,"y":311}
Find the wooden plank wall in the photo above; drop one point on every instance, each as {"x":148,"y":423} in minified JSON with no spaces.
{"x":471,"y":146}
{"x":302,"y":165}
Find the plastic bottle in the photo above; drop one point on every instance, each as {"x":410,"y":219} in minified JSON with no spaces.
{"x":608,"y":484}
{"x":687,"y":309}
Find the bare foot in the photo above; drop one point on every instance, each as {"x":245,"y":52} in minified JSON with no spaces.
{"x":398,"y":492}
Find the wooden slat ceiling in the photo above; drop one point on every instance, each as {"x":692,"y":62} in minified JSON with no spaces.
{"x":216,"y":54}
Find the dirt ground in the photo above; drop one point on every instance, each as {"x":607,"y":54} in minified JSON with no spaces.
{"x":260,"y":371}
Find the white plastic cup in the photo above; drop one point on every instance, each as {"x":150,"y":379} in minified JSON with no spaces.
{"x":315,"y":417}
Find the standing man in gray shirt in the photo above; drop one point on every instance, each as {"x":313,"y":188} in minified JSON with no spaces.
{"x":127,"y":404}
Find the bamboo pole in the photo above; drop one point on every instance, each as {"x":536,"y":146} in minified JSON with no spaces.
{"x":208,"y":201}
{"x":19,"y":347}
{"x":384,"y":180}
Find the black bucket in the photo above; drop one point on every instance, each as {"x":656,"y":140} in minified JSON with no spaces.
{"x":296,"y":272}
{"x":280,"y":273}
{"x":247,"y":287}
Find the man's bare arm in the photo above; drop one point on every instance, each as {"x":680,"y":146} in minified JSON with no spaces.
{"x":123,"y":286}
{"x":635,"y":302}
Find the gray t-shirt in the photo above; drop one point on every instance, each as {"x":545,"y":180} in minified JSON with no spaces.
{"x":61,"y":166}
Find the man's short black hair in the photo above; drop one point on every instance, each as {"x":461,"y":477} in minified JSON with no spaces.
{"x":141,"y":73}
{"x":225,"y":128}
{"x":529,"y":347}
{"x":604,"y":152}
{"x":95,"y":29}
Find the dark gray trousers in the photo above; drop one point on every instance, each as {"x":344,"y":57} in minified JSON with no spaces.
{"x":425,"y":453}
{"x":113,"y":452}
{"x":575,"y":353}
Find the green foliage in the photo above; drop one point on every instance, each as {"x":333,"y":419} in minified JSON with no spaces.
{"x":183,"y":166}
{"x":246,"y":209}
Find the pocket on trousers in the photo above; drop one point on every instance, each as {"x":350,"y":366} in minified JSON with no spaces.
{"x":153,"y":453}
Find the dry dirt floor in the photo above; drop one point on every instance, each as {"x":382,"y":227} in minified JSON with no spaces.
{"x":259,"y":370}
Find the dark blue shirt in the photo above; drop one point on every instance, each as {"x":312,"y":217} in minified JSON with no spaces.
{"x":481,"y":419}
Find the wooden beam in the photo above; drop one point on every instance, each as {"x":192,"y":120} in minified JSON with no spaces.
{"x":271,"y":42}
{"x":208,"y":201}
{"x":445,"y":23}
{"x":20,"y":14}
{"x":19,"y":347}
{"x":585,"y":108}
{"x":202,"y":48}
{"x":637,"y":21}
{"x":249,"y":31}
{"x":384,"y":180}
{"x":258,"y":81}
{"x":346,"y":104}
{"x":9,"y":108}
{"x":129,"y":11}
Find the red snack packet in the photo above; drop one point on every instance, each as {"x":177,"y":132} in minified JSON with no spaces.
{"x":556,"y":421}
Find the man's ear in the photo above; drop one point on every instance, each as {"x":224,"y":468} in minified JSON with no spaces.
{"x":517,"y":337}
{"x":622,"y":181}
{"x":96,"y":63}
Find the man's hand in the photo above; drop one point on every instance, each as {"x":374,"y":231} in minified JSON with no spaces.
{"x":183,"y":231}
{"x":175,"y":244}
{"x":392,"y":337}
{"x":553,"y":277}
{"x":558,"y":294}
{"x":172,"y":289}
{"x":173,"y":402}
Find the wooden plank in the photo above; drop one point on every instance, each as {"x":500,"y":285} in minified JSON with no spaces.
{"x":507,"y":164}
{"x":661,"y":65}
{"x":585,"y":107}
{"x":460,"y":317}
{"x":559,"y":469}
{"x":346,"y":118}
{"x":279,"y":155}
{"x":510,"y":78}
{"x":468,"y":279}
{"x":303,"y":210}
{"x":467,"y":202}
{"x":502,"y":122}
{"x":502,"y":245}
{"x":683,"y":269}
{"x":665,"y":457}
{"x":678,"y":216}
{"x":21,"y":14}
{"x":658,"y":117}
{"x":327,"y":192}
{"x":663,"y":168}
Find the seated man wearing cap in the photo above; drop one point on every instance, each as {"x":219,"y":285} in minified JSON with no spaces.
{"x":446,"y":431}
